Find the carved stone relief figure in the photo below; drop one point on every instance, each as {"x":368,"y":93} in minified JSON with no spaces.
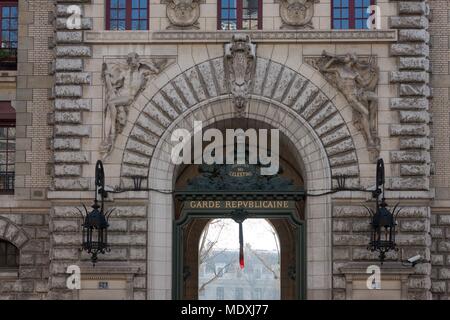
{"x":124,"y":83}
{"x":297,"y":14}
{"x":240,"y":60}
{"x":183,"y":14}
{"x":357,"y":81}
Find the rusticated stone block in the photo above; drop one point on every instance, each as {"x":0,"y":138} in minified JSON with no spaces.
{"x":410,"y":49}
{"x":409,"y":104}
{"x":423,"y":239}
{"x":10,"y":232}
{"x":132,"y":171}
{"x":437,"y":232}
{"x":73,"y":78}
{"x":415,"y":143}
{"x":414,"y":117}
{"x":69,"y":37}
{"x":364,"y":254}
{"x":410,"y":156}
{"x":117,"y":225}
{"x":86,"y":24}
{"x":68,"y":91}
{"x":138,"y":253}
{"x":414,"y":212}
{"x":136,"y":159}
{"x":419,"y":283}
{"x":438,"y":287}
{"x":73,"y":51}
{"x":419,"y":295}
{"x":341,"y":225}
{"x":350,"y":239}
{"x":414,"y":170}
{"x":65,"y":225}
{"x":409,"y":76}
{"x":33,"y":219}
{"x":412,"y":183}
{"x":350,"y":211}
{"x":71,"y":157}
{"x":66,"y":212}
{"x":67,"y":144}
{"x":341,"y":253}
{"x":361,"y":225}
{"x":73,"y":104}
{"x":67,"y":170}
{"x":414,"y":35}
{"x":414,"y":226}
{"x":437,"y":259}
{"x":444,"y":273}
{"x":131,"y":211}
{"x":407,"y":63}
{"x":66,"y":239}
{"x":138,"y":225}
{"x":409,"y":130}
{"x":444,"y":246}
{"x":409,"y":89}
{"x":61,"y":10}
{"x":339,"y":282}
{"x":68,"y":65}
{"x":405,"y":22}
{"x":71,"y":183}
{"x":407,"y":7}
{"x":67,"y":117}
{"x":134,"y":239}
{"x":72,"y":130}
{"x":444,"y":219}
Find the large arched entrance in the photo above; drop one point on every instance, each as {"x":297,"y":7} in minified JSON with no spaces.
{"x":239,"y":193}
{"x":313,"y":165}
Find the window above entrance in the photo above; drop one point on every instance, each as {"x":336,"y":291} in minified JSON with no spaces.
{"x":350,"y":14}
{"x":127,"y":15}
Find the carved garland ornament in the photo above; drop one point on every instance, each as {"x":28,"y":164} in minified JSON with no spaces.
{"x":356,"y":78}
{"x":124,"y":82}
{"x":183,"y":14}
{"x":240,"y":60}
{"x":297,"y":14}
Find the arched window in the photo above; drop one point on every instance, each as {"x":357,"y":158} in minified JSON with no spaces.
{"x":239,"y":14}
{"x":127,"y":14}
{"x":9,"y":255}
{"x":350,"y":14}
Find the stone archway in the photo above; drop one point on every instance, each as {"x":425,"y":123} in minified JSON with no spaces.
{"x":286,"y":100}
{"x":274,"y":83}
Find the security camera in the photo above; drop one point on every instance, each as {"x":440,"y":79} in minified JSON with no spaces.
{"x":414,"y":260}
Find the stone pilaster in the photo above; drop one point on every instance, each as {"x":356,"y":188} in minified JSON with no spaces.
{"x":412,"y":49}
{"x":69,"y":104}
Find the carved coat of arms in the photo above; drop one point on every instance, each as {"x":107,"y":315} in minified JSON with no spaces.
{"x":297,"y":14}
{"x":240,"y":61}
{"x":183,"y":14}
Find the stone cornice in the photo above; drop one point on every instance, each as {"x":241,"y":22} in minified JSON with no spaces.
{"x":278,"y":36}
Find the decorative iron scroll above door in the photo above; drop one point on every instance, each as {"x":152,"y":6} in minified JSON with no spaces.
{"x":240,"y":179}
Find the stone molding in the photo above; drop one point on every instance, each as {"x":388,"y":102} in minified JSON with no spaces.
{"x":276,"y":36}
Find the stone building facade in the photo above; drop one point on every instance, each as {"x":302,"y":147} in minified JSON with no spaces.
{"x":65,"y":97}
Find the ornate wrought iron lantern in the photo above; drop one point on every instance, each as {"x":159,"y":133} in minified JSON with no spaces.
{"x":383,"y":221}
{"x":95,"y":223}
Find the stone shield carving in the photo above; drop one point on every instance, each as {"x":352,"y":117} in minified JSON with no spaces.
{"x":183,"y":14}
{"x":240,"y":58}
{"x":123,"y":84}
{"x":297,"y":14}
{"x":356,"y":78}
